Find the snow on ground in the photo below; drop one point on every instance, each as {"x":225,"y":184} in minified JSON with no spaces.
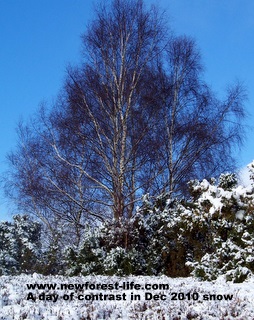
{"x":124,"y":298}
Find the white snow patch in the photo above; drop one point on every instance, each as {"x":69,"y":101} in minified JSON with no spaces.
{"x":185,"y":298}
{"x":244,"y":177}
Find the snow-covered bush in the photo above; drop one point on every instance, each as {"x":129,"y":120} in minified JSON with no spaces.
{"x":251,"y":170}
{"x":208,"y":235}
{"x":87,"y":258}
{"x":227,"y":181}
{"x":228,"y":210}
{"x":108,"y":249}
{"x":155,"y":241}
{"x":52,"y":261}
{"x":19,"y":245}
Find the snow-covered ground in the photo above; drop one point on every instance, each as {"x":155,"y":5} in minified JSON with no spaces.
{"x":123,"y":298}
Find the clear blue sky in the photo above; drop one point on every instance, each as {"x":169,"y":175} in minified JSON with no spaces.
{"x":40,"y":37}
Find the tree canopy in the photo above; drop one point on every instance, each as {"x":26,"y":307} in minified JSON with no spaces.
{"x":135,"y":117}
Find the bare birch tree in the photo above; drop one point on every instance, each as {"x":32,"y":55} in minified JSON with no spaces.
{"x":121,"y":46}
{"x":135,"y":117}
{"x":199,"y":129}
{"x":92,"y":152}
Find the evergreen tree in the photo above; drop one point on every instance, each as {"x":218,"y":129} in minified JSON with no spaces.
{"x":20,"y":245}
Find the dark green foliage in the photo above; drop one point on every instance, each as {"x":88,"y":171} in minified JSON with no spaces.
{"x":51,"y":262}
{"x":19,"y":245}
{"x":155,"y":241}
{"x":209,"y":235}
{"x":228,"y":181}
